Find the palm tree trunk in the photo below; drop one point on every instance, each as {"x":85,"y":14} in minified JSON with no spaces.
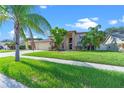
{"x":17,"y":54}
{"x":32,"y":40}
{"x":26,"y":45}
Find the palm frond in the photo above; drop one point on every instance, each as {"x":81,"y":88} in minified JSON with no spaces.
{"x":19,"y":10}
{"x":38,"y":20}
{"x":3,"y":9}
{"x":3,"y":18}
{"x":33,"y":26}
{"x":22,"y":34}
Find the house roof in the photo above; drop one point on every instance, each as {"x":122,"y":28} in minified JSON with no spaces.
{"x":77,"y":32}
{"x":35,"y":38}
{"x":72,"y":31}
{"x":81,"y":32}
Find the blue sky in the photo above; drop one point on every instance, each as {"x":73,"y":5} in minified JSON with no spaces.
{"x":77,"y":18}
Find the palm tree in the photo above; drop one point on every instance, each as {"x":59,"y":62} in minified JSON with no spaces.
{"x":23,"y":18}
{"x":32,"y":40}
{"x":93,"y":38}
{"x":32,"y":43}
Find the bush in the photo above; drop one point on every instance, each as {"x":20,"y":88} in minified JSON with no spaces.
{"x":22,"y":47}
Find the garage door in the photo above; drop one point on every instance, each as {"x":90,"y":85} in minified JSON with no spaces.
{"x":42,"y":46}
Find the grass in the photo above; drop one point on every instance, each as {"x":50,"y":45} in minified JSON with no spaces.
{"x":34,"y":73}
{"x":112,"y":58}
{"x":3,"y":51}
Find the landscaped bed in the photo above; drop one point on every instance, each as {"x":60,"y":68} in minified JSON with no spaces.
{"x":3,"y":51}
{"x":35,"y":73}
{"x":112,"y":58}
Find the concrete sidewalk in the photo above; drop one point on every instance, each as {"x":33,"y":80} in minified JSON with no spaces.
{"x":78,"y":63}
{"x":6,"y":54}
{"x":6,"y":82}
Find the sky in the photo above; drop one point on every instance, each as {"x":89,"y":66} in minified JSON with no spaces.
{"x":78,"y":18}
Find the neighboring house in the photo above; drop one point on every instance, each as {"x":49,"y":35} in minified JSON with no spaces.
{"x":3,"y":46}
{"x":113,"y":42}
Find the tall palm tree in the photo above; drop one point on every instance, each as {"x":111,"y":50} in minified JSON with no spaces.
{"x":22,"y":18}
{"x":23,"y":36}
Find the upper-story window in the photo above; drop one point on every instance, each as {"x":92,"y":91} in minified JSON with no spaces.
{"x":70,"y":40}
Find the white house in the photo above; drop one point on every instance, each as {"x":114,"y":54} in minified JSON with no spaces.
{"x":113,"y":42}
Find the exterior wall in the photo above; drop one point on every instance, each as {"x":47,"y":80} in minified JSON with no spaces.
{"x":66,"y":42}
{"x":76,"y":38}
{"x":42,"y":44}
{"x":74,"y":41}
{"x":112,"y":44}
{"x":102,"y":47}
{"x":79,"y":37}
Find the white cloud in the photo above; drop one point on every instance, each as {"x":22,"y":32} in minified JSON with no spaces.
{"x":122,"y":19}
{"x":95,"y":18}
{"x":84,"y":23}
{"x":11,"y":33}
{"x":35,"y":36}
{"x":113,"y":22}
{"x":43,"y":6}
{"x":71,"y":25}
{"x":84,"y":20}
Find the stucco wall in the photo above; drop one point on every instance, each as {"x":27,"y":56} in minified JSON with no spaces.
{"x":42,"y":45}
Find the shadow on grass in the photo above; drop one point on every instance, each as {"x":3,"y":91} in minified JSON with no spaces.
{"x":62,"y":75}
{"x":57,"y":73}
{"x":75,"y":77}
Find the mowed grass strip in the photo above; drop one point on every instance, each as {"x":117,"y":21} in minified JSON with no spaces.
{"x":3,"y":51}
{"x":42,"y":74}
{"x":111,"y":58}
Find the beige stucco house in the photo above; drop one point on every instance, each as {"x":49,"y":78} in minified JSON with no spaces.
{"x":72,"y":41}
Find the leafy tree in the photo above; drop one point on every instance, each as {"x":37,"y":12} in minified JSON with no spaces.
{"x":10,"y":44}
{"x":58,"y":36}
{"x":93,"y":38}
{"x":114,"y":29}
{"x":23,"y":18}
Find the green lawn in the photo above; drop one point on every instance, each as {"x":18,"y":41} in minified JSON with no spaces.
{"x":34,"y":73}
{"x":3,"y":51}
{"x":112,"y":58}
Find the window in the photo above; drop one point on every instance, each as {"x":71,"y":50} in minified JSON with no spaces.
{"x":70,"y":40}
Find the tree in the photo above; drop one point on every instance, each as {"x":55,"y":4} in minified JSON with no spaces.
{"x":58,"y":36}
{"x":10,"y":44}
{"x":23,"y":18}
{"x":114,"y":29}
{"x":32,"y":40}
{"x":93,"y":38}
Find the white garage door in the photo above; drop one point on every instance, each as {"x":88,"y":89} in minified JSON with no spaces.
{"x":42,"y":46}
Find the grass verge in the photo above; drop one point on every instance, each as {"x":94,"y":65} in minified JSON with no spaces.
{"x":35,"y":73}
{"x":3,"y":51}
{"x":111,"y":58}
